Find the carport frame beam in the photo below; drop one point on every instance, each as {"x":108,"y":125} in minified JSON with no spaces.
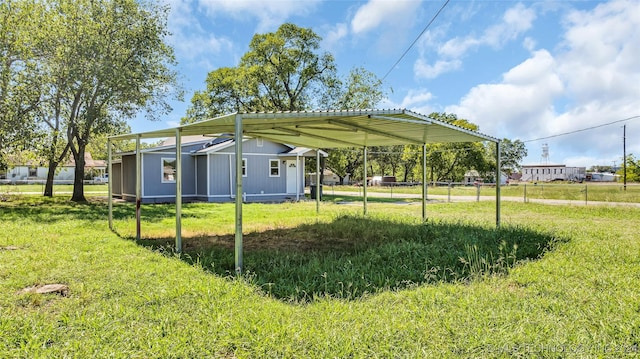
{"x":238,"y":235}
{"x":178,"y":191}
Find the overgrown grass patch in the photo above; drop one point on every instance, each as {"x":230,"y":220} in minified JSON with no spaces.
{"x":353,"y":255}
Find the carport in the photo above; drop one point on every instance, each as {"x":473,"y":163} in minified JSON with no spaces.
{"x":311,"y":129}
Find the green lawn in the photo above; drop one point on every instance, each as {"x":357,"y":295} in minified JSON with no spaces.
{"x":90,"y":189}
{"x":555,"y":281}
{"x":605,"y":192}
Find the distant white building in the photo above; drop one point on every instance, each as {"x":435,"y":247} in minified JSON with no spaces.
{"x":18,"y":172}
{"x":602,"y":177}
{"x":546,"y":173}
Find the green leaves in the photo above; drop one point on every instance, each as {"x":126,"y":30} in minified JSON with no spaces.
{"x":282,"y":71}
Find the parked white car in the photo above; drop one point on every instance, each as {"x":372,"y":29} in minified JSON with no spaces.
{"x":101,"y":179}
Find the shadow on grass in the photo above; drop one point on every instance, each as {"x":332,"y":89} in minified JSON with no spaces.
{"x":355,"y":255}
{"x":50,"y":210}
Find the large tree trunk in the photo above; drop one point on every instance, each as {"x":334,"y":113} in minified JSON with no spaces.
{"x":78,"y":178}
{"x":51,"y":172}
{"x":54,"y":161}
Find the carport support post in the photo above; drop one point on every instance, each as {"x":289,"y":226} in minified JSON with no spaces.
{"x":138,"y":186}
{"x":498,"y":180}
{"x":178,"y":191}
{"x":318,"y":187}
{"x":424,"y":183}
{"x":364,"y":182}
{"x":238,"y":246}
{"x":109,"y":185}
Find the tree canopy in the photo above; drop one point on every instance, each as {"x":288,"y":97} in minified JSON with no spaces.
{"x":21,"y":84}
{"x":282,"y":71}
{"x":99,"y":62}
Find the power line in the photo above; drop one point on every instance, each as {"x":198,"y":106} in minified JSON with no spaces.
{"x":414,"y":41}
{"x":583,"y":129}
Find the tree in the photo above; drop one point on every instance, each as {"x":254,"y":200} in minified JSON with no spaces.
{"x":511,"y":154}
{"x":449,"y":161}
{"x":633,"y":169}
{"x":107,"y":60}
{"x":282,"y":71}
{"x":21,"y":82}
{"x":361,"y":89}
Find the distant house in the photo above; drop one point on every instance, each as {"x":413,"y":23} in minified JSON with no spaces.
{"x":271,"y":171}
{"x":32,"y":171}
{"x":471,"y":177}
{"x":546,"y":173}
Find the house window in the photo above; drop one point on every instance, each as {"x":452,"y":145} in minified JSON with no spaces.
{"x":244,"y":167}
{"x":274,"y":168}
{"x":33,"y":171}
{"x":260,"y":142}
{"x":168,"y":170}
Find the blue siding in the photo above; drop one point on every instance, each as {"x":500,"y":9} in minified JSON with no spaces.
{"x":218,"y":168}
{"x":116,"y":179}
{"x":129,"y":176}
{"x":152,"y":175}
{"x":201,"y":179}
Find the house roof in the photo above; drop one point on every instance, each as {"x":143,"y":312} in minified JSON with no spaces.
{"x":303,"y":151}
{"x":171,"y":140}
{"x":329,"y":129}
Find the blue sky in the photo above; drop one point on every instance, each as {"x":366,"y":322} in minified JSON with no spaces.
{"x":520,"y":70}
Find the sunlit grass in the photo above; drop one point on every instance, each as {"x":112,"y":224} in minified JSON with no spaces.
{"x":605,"y":192}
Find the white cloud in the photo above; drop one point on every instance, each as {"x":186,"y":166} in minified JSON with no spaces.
{"x":415,"y":100}
{"x":592,"y":79}
{"x":424,"y":70}
{"x":515,"y":21}
{"x":189,"y":39}
{"x":269,"y":14}
{"x":519,"y":103}
{"x":383,"y":12}
{"x":335,"y":35}
{"x":600,"y":61}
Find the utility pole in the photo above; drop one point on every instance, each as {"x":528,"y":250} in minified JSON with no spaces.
{"x":624,"y":155}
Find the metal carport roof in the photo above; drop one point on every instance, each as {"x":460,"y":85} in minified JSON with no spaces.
{"x":311,"y":129}
{"x":330,"y":129}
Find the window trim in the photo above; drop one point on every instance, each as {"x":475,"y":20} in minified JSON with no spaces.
{"x":162,"y":160}
{"x":244,"y":167}
{"x":277,"y":161}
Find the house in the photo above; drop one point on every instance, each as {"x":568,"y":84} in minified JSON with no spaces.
{"x":548,"y":172}
{"x":32,"y":171}
{"x":472,"y":177}
{"x":271,"y":171}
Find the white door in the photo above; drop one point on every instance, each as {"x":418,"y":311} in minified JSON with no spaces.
{"x":292,"y":176}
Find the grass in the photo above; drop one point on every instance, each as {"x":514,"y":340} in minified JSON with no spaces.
{"x":569,"y":288}
{"x":24,"y":189}
{"x":602,"y":192}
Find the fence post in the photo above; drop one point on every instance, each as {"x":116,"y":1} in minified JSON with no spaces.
{"x":449,"y":192}
{"x":585,"y":195}
{"x":478,"y":192}
{"x":525,"y":193}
